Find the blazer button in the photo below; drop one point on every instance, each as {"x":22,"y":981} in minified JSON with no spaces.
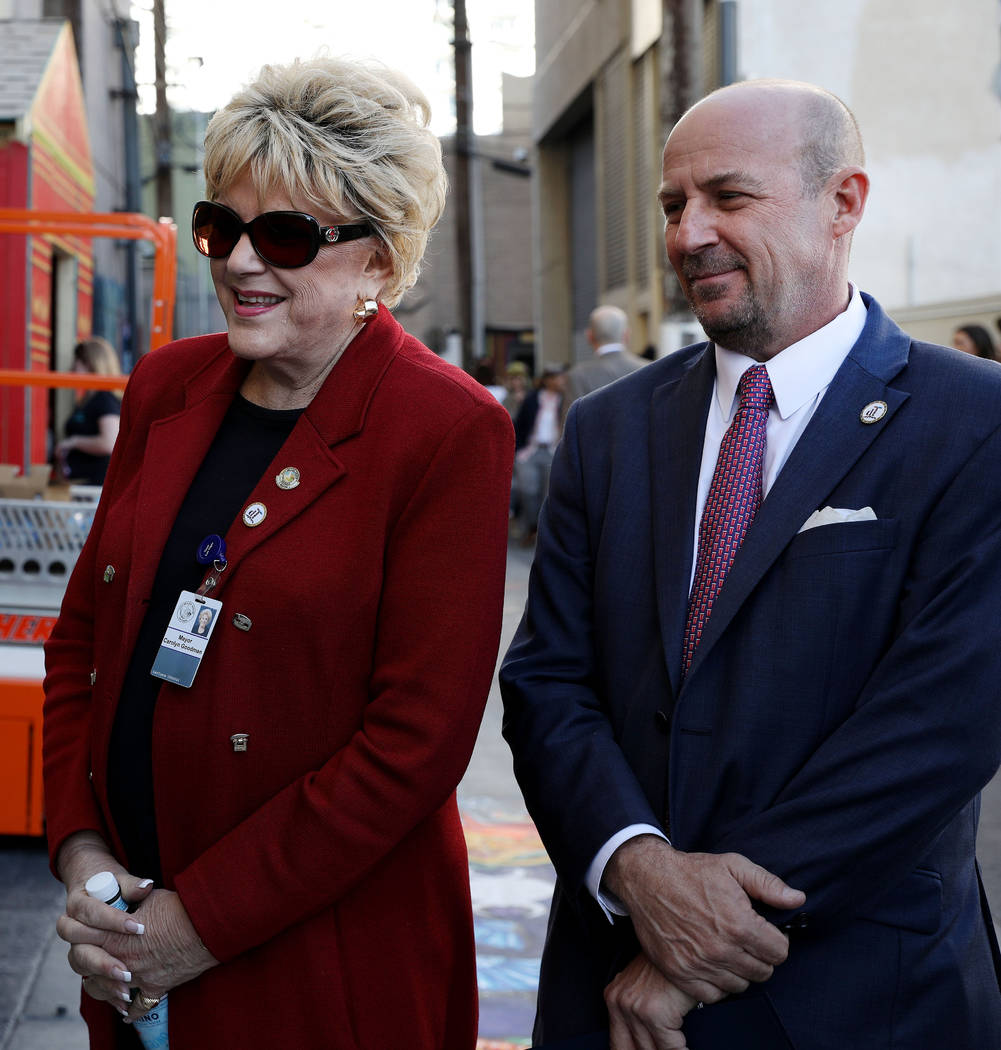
{"x":662,"y":720}
{"x":799,"y":923}
{"x":93,"y":677}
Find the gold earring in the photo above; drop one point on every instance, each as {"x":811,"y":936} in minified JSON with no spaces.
{"x":364,"y":309}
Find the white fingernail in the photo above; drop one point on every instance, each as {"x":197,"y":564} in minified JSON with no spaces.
{"x":135,"y":927}
{"x":145,"y":883}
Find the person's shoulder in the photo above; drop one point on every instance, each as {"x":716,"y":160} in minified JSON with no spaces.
{"x":429,"y":379}
{"x":182,"y":357}
{"x":158,"y":378}
{"x":643,"y":380}
{"x":104,"y":403}
{"x":958,"y":383}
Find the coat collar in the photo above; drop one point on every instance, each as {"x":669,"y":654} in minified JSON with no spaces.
{"x":339,"y":407}
{"x":832,"y":443}
{"x":336,"y":413}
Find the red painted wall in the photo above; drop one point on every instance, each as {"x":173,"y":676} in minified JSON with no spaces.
{"x":57,"y":176}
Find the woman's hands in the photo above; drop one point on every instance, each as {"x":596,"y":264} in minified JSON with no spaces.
{"x":155,"y":949}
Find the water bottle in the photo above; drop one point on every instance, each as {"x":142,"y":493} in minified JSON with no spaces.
{"x":151,"y":1027}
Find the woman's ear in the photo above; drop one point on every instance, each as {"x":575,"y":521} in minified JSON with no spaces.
{"x":379,"y":264}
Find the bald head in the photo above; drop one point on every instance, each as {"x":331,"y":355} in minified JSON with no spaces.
{"x":607,"y":324}
{"x":828,"y":134}
{"x":762,"y":190}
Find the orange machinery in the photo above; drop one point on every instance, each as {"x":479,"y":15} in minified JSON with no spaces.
{"x":40,"y":539}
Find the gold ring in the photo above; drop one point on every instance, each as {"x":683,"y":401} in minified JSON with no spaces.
{"x":147,"y":1002}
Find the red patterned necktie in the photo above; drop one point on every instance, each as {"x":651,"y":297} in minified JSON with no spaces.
{"x":733,"y":500}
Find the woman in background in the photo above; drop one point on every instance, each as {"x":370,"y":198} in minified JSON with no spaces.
{"x":83,"y":455}
{"x":974,"y":339}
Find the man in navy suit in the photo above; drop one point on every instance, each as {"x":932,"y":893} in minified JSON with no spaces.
{"x":764,"y":833}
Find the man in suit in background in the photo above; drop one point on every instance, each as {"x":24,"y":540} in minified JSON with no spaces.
{"x":607,"y":331}
{"x":752,"y":701}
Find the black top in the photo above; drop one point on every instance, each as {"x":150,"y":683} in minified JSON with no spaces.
{"x":248,"y":440}
{"x":82,"y":466}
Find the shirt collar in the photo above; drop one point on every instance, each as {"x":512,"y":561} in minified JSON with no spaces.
{"x":610,"y":348}
{"x":802,"y":370}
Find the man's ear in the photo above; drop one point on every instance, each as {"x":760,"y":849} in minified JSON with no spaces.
{"x":850,"y":192}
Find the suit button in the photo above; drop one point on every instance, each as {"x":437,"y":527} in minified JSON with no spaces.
{"x":799,"y":923}
{"x":662,"y":720}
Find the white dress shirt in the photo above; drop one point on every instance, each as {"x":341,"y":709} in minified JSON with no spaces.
{"x":546,"y":432}
{"x":800,"y":375}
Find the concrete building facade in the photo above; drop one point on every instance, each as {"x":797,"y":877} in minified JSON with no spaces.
{"x":501,"y":214}
{"x":612,"y":76}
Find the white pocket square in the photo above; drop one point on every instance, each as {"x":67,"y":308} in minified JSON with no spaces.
{"x":836,"y":515}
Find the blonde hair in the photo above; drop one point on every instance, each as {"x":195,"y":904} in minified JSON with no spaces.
{"x":98,"y":356}
{"x":343,"y":134}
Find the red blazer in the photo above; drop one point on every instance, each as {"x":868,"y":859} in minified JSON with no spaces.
{"x":325,"y":865}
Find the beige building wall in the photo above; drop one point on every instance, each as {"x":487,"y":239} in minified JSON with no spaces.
{"x":597,"y":66}
{"x":501,"y":210}
{"x":923,"y":79}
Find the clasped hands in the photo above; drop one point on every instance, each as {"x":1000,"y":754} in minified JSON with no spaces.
{"x":701,"y":938}
{"x":155,"y":948}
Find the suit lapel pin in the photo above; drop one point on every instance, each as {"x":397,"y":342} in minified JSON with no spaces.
{"x":874,"y":412}
{"x":254,"y":515}
{"x":240,"y":741}
{"x":288,"y":478}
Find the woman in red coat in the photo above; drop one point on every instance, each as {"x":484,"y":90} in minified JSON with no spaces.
{"x":337,"y":496}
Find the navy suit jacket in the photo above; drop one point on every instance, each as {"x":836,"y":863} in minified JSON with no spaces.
{"x":841,"y":714}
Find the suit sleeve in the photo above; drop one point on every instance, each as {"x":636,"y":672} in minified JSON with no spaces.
{"x":925,"y":734}
{"x":579,"y":786}
{"x":435,"y":652}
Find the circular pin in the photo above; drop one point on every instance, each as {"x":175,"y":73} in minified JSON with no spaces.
{"x":212,"y":548}
{"x":874,"y":412}
{"x":288,"y":478}
{"x":254,"y":515}
{"x":109,"y":573}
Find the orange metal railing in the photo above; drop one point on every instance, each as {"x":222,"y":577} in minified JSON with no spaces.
{"x":121,"y":225}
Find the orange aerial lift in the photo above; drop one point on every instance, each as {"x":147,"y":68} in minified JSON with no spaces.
{"x":40,"y":538}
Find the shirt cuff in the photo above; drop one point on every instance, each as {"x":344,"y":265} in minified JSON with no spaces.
{"x":608,"y":902}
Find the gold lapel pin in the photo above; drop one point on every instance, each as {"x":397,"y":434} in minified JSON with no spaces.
{"x":288,"y":478}
{"x":874,"y":411}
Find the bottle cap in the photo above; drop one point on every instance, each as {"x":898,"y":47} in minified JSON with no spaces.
{"x":104,"y":886}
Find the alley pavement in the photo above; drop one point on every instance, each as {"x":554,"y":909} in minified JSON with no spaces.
{"x":510,"y":875}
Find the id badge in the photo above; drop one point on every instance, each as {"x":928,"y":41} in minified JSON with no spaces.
{"x":186,"y":639}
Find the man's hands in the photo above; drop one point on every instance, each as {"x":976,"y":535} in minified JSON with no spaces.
{"x":693,"y":916}
{"x":645,"y":1010}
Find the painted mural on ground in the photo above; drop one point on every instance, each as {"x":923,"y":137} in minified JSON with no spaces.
{"x":511,"y":880}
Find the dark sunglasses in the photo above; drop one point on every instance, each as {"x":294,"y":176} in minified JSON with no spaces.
{"x":286,"y":239}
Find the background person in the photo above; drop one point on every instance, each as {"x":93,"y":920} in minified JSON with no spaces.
{"x":311,"y":885}
{"x":975,"y":339}
{"x":517,"y":385}
{"x":537,"y":430}
{"x":84,"y":453}
{"x":607,"y":332}
{"x":750,"y":703}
